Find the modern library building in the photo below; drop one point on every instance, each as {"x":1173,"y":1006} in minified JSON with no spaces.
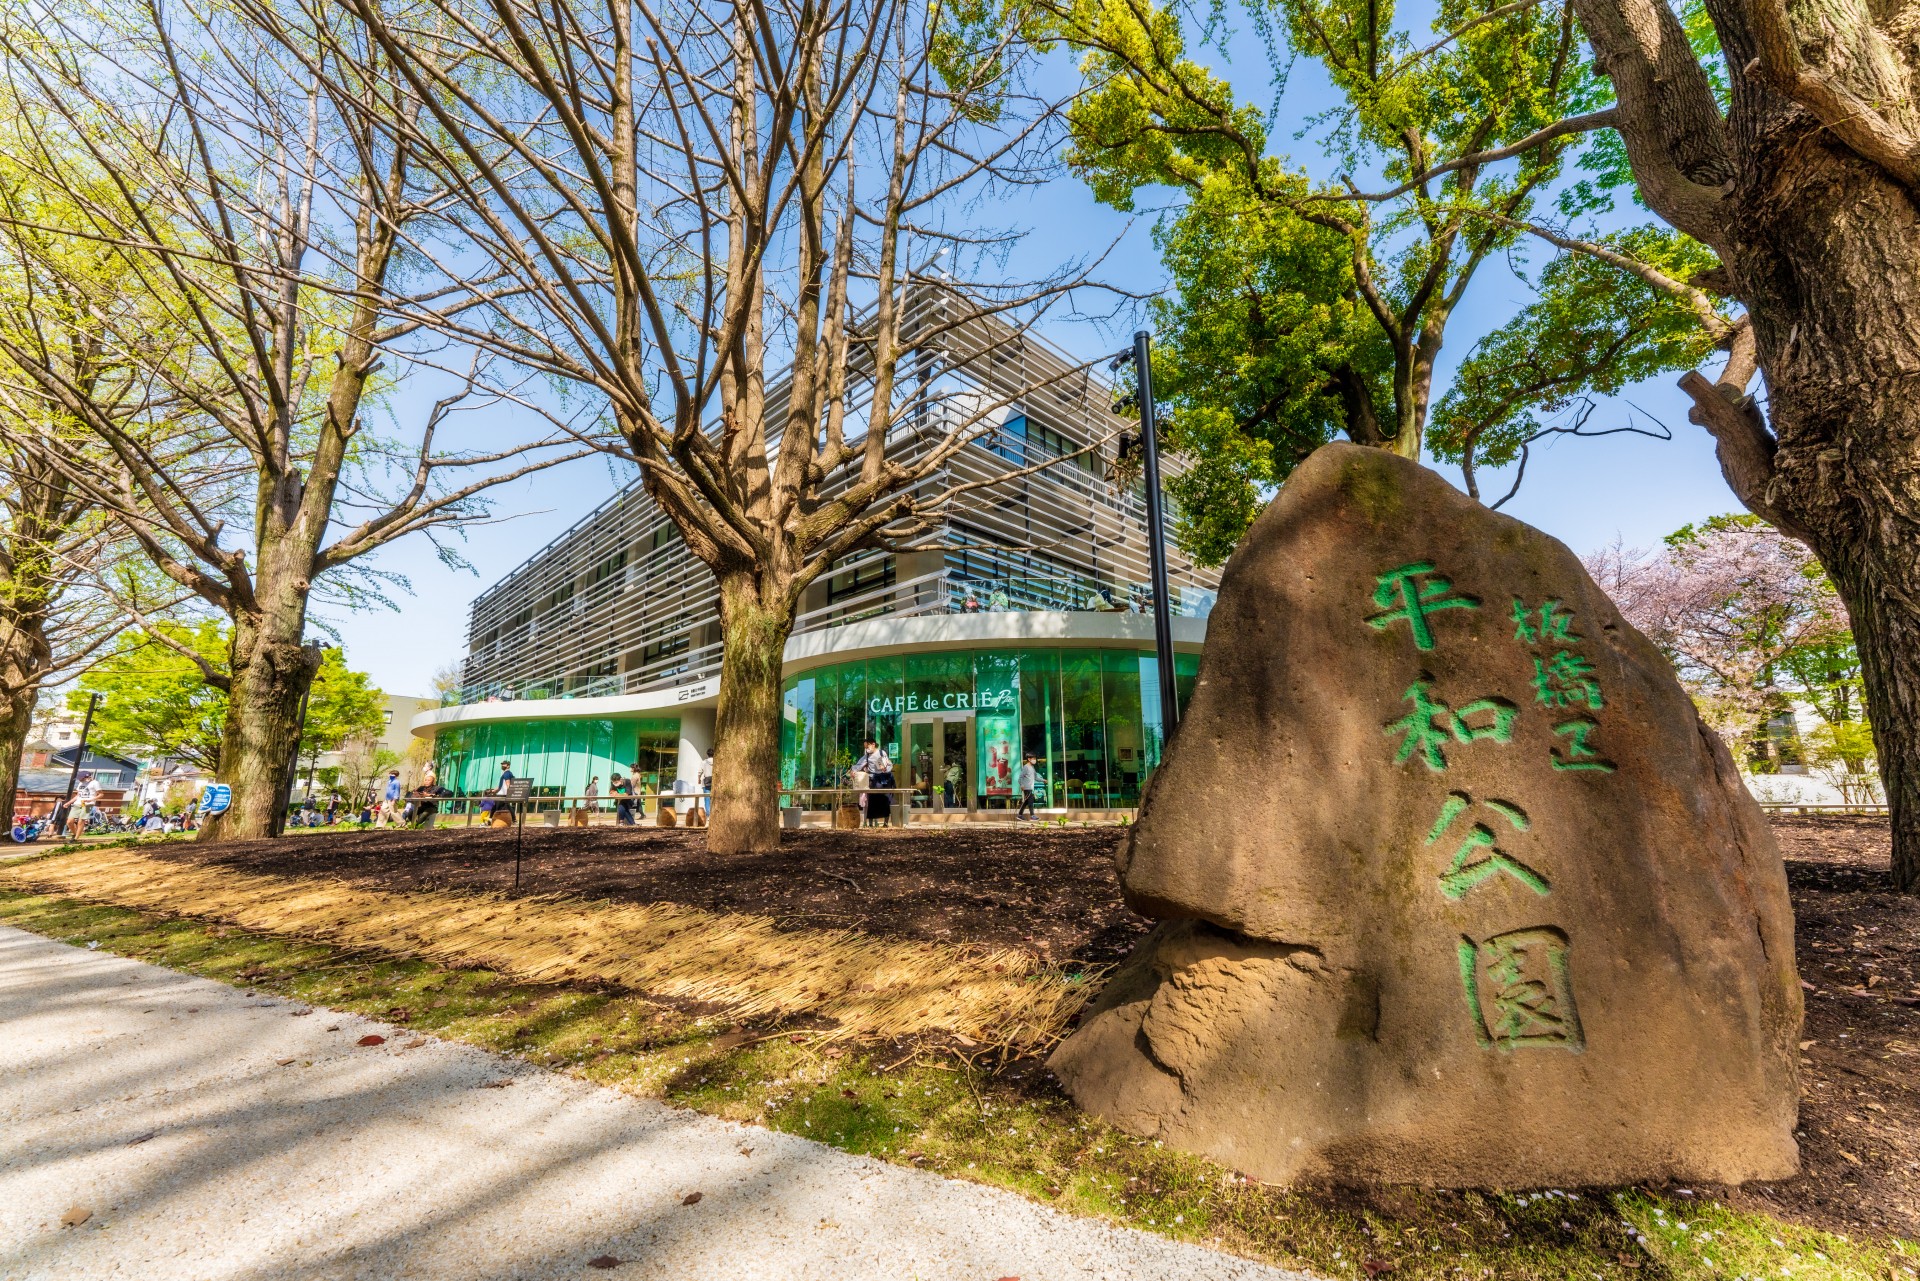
{"x":1022,"y":624}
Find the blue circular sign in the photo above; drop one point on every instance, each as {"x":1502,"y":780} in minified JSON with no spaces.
{"x":216,"y":798}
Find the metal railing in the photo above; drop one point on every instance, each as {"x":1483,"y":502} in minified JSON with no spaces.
{"x":941,"y":592}
{"x":1808,"y":807}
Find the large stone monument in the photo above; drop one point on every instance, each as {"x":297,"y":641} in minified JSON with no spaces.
{"x":1455,"y":888}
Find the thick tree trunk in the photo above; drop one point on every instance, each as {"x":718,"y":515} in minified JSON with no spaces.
{"x":16,"y":719}
{"x":746,"y":728}
{"x":271,"y":672}
{"x":1826,"y":255}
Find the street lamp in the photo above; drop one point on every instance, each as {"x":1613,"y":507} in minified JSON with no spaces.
{"x":1147,"y":446}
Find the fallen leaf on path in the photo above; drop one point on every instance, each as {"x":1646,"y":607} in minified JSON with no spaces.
{"x":333,"y":1027}
{"x":1849,"y":1156}
{"x":604,"y":1261}
{"x":74,"y":1217}
{"x":415,"y":1043}
{"x":1375,"y":1267}
{"x":691,"y":1198}
{"x":371,"y":1039}
{"x":300,"y":1014}
{"x":500,"y":1084}
{"x":746,"y":1151}
{"x":283,"y":1062}
{"x":138,"y":1139}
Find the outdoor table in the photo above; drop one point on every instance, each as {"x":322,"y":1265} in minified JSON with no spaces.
{"x":901,"y":796}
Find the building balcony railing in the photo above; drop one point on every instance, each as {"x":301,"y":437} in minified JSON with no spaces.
{"x":930,"y":594}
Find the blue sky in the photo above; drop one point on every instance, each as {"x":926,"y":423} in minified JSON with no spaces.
{"x":1585,"y":492}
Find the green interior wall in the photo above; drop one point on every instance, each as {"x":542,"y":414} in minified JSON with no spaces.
{"x":560,"y":756}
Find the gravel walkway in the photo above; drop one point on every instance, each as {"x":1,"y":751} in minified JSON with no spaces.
{"x":158,"y":1106}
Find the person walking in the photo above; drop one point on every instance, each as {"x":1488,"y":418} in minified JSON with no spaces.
{"x":950,"y":785}
{"x":81,"y":810}
{"x":390,"y":798}
{"x":1028,"y":781}
{"x":704,"y":805}
{"x":623,"y":800}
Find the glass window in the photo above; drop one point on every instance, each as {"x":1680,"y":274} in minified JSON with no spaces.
{"x":1083,"y":720}
{"x":1040,"y":735}
{"x":1122,"y":683}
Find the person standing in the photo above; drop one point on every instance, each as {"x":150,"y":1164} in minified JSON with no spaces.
{"x":873,"y":761}
{"x":623,"y":801}
{"x":1029,"y":783}
{"x":705,"y":776}
{"x":583,"y":815}
{"x":950,"y":785}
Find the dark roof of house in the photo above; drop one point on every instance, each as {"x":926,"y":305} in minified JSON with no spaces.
{"x":49,"y":782}
{"x":66,"y":754}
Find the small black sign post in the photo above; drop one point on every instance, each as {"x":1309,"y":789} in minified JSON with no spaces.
{"x":516,"y":794}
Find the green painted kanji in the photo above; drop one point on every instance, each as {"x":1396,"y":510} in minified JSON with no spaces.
{"x":1579,"y":753}
{"x":1565,"y":680}
{"x":1466,"y":871}
{"x":1411,"y":592}
{"x":1551,"y":622}
{"x":1426,"y":727}
{"x":1431,"y":723}
{"x":1526,"y":1000}
{"x":1499,"y":729}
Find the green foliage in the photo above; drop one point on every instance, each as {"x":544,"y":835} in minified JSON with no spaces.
{"x":343,"y":705}
{"x":1593,"y":330}
{"x":156,"y":700}
{"x":1264,"y":339}
{"x":1301,"y":311}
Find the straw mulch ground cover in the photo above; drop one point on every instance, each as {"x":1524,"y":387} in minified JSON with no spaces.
{"x":955,"y":940}
{"x":845,"y":983}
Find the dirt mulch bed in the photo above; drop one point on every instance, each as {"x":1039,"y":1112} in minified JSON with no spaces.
{"x":1049,"y":890}
{"x":1053,"y":892}
{"x":1858,"y":945}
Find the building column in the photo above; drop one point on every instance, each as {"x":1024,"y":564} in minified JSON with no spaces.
{"x":696,"y":745}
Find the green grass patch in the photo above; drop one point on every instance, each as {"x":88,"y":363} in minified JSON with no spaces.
{"x":999,"y":1123}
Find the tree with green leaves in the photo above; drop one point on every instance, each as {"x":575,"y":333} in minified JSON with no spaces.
{"x":1780,"y":150}
{"x":156,"y":700}
{"x":1301,"y":310}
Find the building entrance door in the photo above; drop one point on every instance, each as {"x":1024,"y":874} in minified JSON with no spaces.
{"x":937,"y":766}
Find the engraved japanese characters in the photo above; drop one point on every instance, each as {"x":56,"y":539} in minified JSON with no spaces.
{"x":1454,"y":886}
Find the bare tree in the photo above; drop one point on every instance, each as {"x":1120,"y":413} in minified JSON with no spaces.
{"x":66,"y":588}
{"x":261,"y":183}
{"x":692,"y":193}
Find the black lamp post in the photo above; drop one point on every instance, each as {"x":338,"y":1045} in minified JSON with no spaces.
{"x":1148,"y":444}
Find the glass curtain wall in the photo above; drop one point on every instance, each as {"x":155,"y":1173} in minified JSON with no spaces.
{"x":559,"y":756}
{"x":1091,"y":717}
